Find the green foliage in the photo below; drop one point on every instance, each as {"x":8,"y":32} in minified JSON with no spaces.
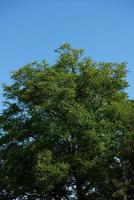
{"x":67,"y":130}
{"x":50,"y":171}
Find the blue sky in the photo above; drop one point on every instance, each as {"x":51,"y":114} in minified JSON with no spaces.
{"x":32,"y":29}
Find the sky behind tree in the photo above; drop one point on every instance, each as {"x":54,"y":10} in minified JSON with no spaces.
{"x":31,"y":30}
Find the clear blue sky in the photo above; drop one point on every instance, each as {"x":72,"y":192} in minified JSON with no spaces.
{"x":32,"y":29}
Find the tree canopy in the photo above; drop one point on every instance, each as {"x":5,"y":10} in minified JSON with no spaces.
{"x":67,"y":131}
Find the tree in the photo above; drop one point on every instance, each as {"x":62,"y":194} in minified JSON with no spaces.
{"x":63,"y":128}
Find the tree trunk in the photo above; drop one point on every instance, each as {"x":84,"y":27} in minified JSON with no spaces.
{"x":80,"y":192}
{"x":125,"y":197}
